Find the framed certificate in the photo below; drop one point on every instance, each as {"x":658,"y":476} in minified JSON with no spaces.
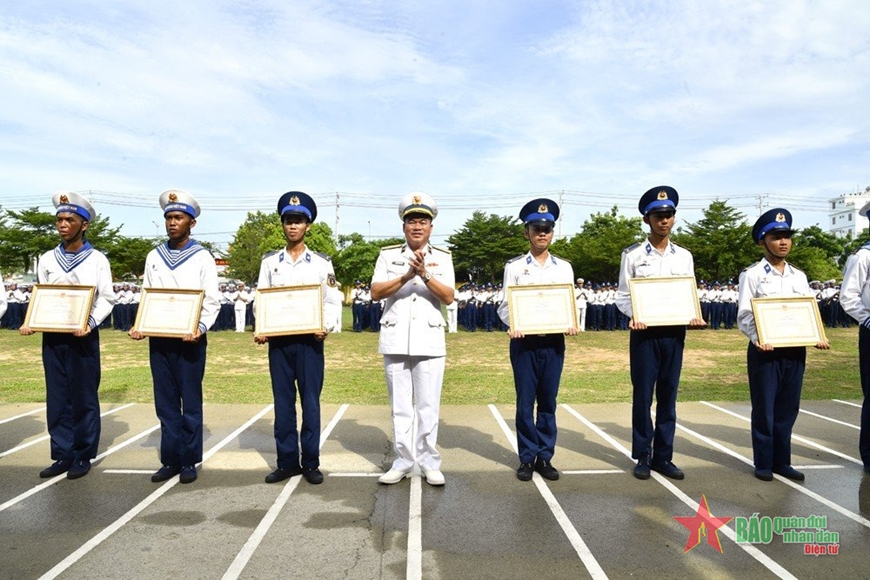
{"x":288,"y":310}
{"x":669,"y":301}
{"x":58,"y":308}
{"x":792,"y":321}
{"x":542,"y":308}
{"x":169,"y":312}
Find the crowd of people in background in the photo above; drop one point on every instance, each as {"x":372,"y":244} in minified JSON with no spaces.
{"x":475,"y":306}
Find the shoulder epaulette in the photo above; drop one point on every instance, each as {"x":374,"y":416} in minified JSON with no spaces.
{"x":515,"y":258}
{"x":322,"y":255}
{"x":558,"y":257}
{"x":270,"y":254}
{"x":393,"y":247}
{"x":631,"y":247}
{"x":445,"y":250}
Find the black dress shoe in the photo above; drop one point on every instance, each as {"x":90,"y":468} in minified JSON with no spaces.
{"x":641,"y":470}
{"x":188,"y":474}
{"x":546,"y":469}
{"x":78,"y":469}
{"x":165,"y":472}
{"x":789,"y":472}
{"x":764,"y":474}
{"x":668,"y":469}
{"x":56,"y":468}
{"x":525,"y":471}
{"x":282,"y":474}
{"x":312,"y":475}
{"x":867,"y":469}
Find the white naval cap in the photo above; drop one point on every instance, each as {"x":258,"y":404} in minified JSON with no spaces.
{"x":178,"y":200}
{"x":418,"y":202}
{"x":70,"y":201}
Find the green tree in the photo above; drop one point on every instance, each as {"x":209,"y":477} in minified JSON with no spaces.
{"x":127,"y":256}
{"x":356,"y":258}
{"x":24,"y":236}
{"x":720,"y":242}
{"x":818,"y":253}
{"x":596,"y":251}
{"x":483,"y":245}
{"x":260,"y":233}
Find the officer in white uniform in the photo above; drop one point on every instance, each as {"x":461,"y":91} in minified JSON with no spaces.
{"x":72,"y":360}
{"x":655,"y":353}
{"x":536,"y":360}
{"x":240,"y":305}
{"x":580,"y":298}
{"x":855,"y":300}
{"x":452,"y":311}
{"x":415,"y":278}
{"x":2,"y":302}
{"x":178,"y":364}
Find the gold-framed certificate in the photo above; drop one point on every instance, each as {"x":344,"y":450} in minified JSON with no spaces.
{"x":542,"y":308}
{"x":287,"y":310}
{"x":792,"y":321}
{"x":168,"y":312}
{"x":670,"y":301}
{"x":59,"y":308}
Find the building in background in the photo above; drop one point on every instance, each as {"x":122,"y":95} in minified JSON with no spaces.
{"x":843,"y":213}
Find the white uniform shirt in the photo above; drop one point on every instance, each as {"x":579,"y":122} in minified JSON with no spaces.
{"x":580,"y":298}
{"x":855,"y":290}
{"x":644,"y":261}
{"x":411,"y":323}
{"x":761,"y":280}
{"x":191,"y":268}
{"x":278,"y":269}
{"x":525,"y":270}
{"x":88,"y":267}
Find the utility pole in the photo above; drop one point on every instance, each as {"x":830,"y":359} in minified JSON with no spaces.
{"x":761,"y":203}
{"x":337,"y":198}
{"x":561,"y":205}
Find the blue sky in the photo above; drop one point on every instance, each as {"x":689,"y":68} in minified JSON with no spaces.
{"x":482,"y":104}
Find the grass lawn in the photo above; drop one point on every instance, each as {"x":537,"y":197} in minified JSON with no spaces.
{"x":478,"y":368}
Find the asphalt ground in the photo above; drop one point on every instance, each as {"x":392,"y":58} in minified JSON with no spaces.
{"x":597,"y":520}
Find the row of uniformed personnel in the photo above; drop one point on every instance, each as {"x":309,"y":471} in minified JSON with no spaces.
{"x":413,"y":280}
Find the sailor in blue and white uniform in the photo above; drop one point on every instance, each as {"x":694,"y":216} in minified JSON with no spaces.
{"x":178,"y":364}
{"x":72,"y":360}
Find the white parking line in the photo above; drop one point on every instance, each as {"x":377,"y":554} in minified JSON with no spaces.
{"x":46,"y":437}
{"x":568,"y":528}
{"x":823,"y":500}
{"x":593,"y":471}
{"x":39,"y":410}
{"x":138,"y":508}
{"x":837,"y":421}
{"x":803,"y":440}
{"x":414,"y":566}
{"x":761,"y":557}
{"x":850,"y":403}
{"x":244,"y":556}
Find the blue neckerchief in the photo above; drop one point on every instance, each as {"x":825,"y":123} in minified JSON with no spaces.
{"x":69,"y":260}
{"x":174,"y":258}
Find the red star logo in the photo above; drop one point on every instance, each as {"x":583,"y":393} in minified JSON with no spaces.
{"x":703,"y":524}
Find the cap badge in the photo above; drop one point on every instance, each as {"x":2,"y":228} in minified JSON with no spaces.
{"x":780,"y":217}
{"x":294,"y":200}
{"x":543,"y":208}
{"x":173,"y":197}
{"x":417,"y":200}
{"x":64,"y":199}
{"x":663,"y":194}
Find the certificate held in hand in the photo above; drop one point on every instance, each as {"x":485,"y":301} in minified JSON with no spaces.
{"x":59,"y":308}
{"x":542,"y":308}
{"x":288,"y":310}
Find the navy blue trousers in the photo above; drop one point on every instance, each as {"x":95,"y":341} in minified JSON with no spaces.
{"x":177,"y":368}
{"x":296,"y":362}
{"x":656,"y":359}
{"x":537,"y":363}
{"x":775,"y":381}
{"x":72,"y":379}
{"x":864,"y":364}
